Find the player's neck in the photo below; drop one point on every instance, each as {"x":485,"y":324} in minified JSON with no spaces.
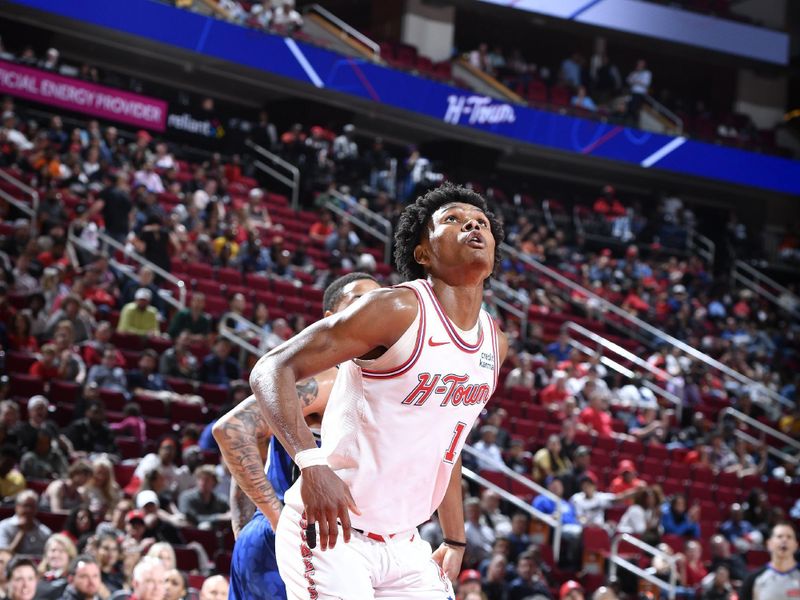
{"x":462,"y":303}
{"x":783,"y":565}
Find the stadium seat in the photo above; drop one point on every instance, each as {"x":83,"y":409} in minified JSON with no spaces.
{"x":64,"y":392}
{"x":187,"y":559}
{"x":25,"y":385}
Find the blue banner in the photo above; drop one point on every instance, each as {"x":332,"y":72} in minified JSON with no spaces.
{"x":328,"y":70}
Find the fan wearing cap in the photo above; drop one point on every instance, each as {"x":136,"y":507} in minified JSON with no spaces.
{"x":469,"y":581}
{"x":156,"y":527}
{"x":626,"y":478}
{"x":139,"y":317}
{"x":571,"y":590}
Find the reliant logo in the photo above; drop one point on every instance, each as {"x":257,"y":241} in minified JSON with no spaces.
{"x":479,"y":109}
{"x":186,"y":122}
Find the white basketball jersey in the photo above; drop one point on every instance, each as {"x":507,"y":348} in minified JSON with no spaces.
{"x":394,"y":426}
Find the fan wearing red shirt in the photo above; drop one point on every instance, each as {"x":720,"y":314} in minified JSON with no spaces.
{"x":46,"y":368}
{"x":320,"y":230}
{"x":595,"y":417}
{"x":556,"y":392}
{"x":626,"y":480}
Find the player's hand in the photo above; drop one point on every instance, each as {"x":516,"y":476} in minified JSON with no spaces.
{"x":449,"y":559}
{"x":327,"y":498}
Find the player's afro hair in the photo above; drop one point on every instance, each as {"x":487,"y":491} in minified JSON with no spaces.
{"x":416,"y":216}
{"x":333,"y":293}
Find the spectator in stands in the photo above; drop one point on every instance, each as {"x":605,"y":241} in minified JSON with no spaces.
{"x":12,"y":482}
{"x":85,"y":580}
{"x":155,"y":241}
{"x":677,"y":520}
{"x":165,"y":553}
{"x":91,"y":433}
{"x":64,"y":494}
{"x":200,"y":504}
{"x":70,"y":365}
{"x":518,"y":538}
{"x":522,"y":375}
{"x":570,"y":590}
{"x":738,"y":530}
{"x":45,"y":460}
{"x":22,"y":533}
{"x":19,"y":336}
{"x":102,"y":492}
{"x":692,"y":568}
{"x":639,"y":81}
{"x":491,"y":458}
{"x":214,"y":588}
{"x":80,"y":524}
{"x":9,"y":422}
{"x":108,"y":374}
{"x":285,"y":19}
{"x":494,"y":584}
{"x":570,"y":73}
{"x":479,"y":58}
{"x":73,"y":312}
{"x":13,"y":134}
{"x":114,"y":204}
{"x":139,"y":317}
{"x":550,"y":460}
{"x":479,"y":535}
{"x":92,"y":350}
{"x":59,"y":551}
{"x":193,"y":319}
{"x":219,"y":367}
{"x":554,"y":394}
{"x":493,"y":516}
{"x":643,"y":517}
{"x":159,"y":523}
{"x":590,"y":505}
{"x":529,"y":580}
{"x":626,"y":478}
{"x":146,"y":381}
{"x":596,"y":418}
{"x":582,"y":100}
{"x":560,"y":348}
{"x":571,"y":528}
{"x":322,"y":229}
{"x":176,"y":478}
{"x":22,"y":579}
{"x":147,"y":581}
{"x":27,"y":433}
{"x":176,"y":584}
{"x":721,"y":556}
{"x":581,"y":462}
{"x":132,"y":424}
{"x":179,"y":361}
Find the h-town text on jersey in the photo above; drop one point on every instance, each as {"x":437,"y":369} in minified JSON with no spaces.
{"x":453,"y":389}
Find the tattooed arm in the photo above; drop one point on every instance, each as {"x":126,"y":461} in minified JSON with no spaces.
{"x":243,"y":436}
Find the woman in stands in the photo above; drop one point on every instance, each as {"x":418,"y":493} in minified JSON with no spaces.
{"x":65,"y":494}
{"x":20,"y":337}
{"x":643,"y":517}
{"x":177,"y":587}
{"x":102,"y":492}
{"x":164,"y":552}
{"x":58,"y":553}
{"x":105,"y":549}
{"x":80,"y":525}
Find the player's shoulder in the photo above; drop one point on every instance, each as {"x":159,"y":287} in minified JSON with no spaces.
{"x":400,"y":299}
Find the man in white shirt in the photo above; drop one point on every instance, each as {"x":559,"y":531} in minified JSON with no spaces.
{"x":590,"y":505}
{"x":491,"y":458}
{"x":639,"y":81}
{"x":13,"y":135}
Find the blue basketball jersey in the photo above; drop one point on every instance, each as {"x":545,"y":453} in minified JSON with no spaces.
{"x":281,"y":471}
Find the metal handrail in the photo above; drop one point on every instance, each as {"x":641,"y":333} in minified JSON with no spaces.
{"x":625,"y":372}
{"x":644,"y":326}
{"x":250,"y":327}
{"x":702,"y":245}
{"x":350,"y":217}
{"x":660,"y":108}
{"x":550,"y":520}
{"x":521,"y":313}
{"x":178,"y":303}
{"x":349,"y":29}
{"x":752,"y":278}
{"x":736,"y":414}
{"x":771,"y":450}
{"x":293,"y":183}
{"x":24,"y":187}
{"x":21,"y":206}
{"x":231,"y":336}
{"x":616,"y":560}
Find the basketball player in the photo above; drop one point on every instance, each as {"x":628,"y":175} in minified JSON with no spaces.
{"x":779,"y":579}
{"x":417,"y":364}
{"x":244,"y":439}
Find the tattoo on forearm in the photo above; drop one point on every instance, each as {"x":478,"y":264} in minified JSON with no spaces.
{"x":244,"y":459}
{"x":308,"y":390}
{"x":242,"y":508}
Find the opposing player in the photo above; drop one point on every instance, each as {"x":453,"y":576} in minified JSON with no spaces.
{"x":779,"y":579}
{"x":417,"y":364}
{"x":245,"y":441}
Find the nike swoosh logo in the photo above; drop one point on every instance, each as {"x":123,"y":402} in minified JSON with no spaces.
{"x":434,"y":344}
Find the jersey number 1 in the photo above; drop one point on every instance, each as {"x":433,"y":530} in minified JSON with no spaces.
{"x":451,"y":451}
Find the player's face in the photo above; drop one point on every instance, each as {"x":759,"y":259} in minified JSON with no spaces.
{"x":783,"y":542}
{"x":353,"y":291}
{"x":460,"y":237}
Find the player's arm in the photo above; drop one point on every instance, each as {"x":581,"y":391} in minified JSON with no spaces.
{"x":243,"y":436}
{"x":451,"y":519}
{"x":354,"y":332}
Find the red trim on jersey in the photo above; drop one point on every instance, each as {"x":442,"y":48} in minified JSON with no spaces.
{"x":495,"y":346}
{"x":418,"y":345}
{"x":448,"y":325}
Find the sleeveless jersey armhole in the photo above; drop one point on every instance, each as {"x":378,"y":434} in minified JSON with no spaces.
{"x":402,"y":355}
